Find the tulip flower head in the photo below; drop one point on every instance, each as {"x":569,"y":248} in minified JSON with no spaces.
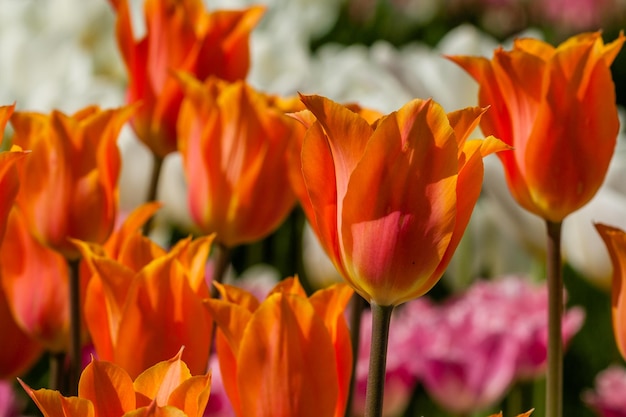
{"x":556,"y":108}
{"x":105,"y":389}
{"x":234,"y":142}
{"x":140,"y":298}
{"x":392,"y":199}
{"x":20,"y":350}
{"x":289,"y":355}
{"x":34,"y":278}
{"x":180,"y":36}
{"x":69,"y":186}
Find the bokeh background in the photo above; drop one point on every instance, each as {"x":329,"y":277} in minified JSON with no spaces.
{"x":380,"y":53}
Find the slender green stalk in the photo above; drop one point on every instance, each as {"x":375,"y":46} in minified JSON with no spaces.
{"x":57,"y":380}
{"x":381,"y":318}
{"x":514,"y":400}
{"x":554,"y":377}
{"x":357,"y":305}
{"x":157,"y":166}
{"x":222,"y":260}
{"x":221,"y":265}
{"x":75,"y":356}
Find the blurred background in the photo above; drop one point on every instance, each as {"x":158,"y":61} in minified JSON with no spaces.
{"x":379,"y":53}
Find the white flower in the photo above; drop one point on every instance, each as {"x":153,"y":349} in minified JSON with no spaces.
{"x":58,"y":54}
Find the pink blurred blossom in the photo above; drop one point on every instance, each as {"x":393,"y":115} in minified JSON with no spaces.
{"x":469,"y":350}
{"x":576,"y":15}
{"x":609,"y":397}
{"x":519,"y":309}
{"x":9,"y":406}
{"x":219,"y":404}
{"x":469,"y":362}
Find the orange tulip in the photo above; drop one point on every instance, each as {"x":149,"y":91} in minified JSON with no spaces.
{"x":287,"y":356}
{"x":295,"y":156}
{"x":165,"y":389}
{"x":69,"y":186}
{"x":144,"y":303}
{"x":392,"y":198}
{"x":180,"y":35}
{"x":615,"y":240}
{"x":234,"y":143}
{"x":35,"y":281}
{"x":19,"y":351}
{"x":556,"y":108}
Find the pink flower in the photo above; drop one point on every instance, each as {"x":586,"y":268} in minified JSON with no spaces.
{"x":469,"y":350}
{"x":219,"y":405}
{"x":576,"y":15}
{"x":8,"y":402}
{"x":608,"y":399}
{"x":469,"y":362}
{"x":521,"y":309}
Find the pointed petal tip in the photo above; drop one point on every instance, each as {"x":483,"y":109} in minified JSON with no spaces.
{"x":491,"y":144}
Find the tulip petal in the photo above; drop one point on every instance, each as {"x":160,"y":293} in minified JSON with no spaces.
{"x":469,"y":185}
{"x":576,"y":79}
{"x":160,"y":380}
{"x":319,"y":177}
{"x":497,"y":119}
{"x":411,"y":162}
{"x":194,"y":258}
{"x":231,"y":60}
{"x":37,"y":304}
{"x":234,"y":144}
{"x":541,"y":50}
{"x":9,"y":177}
{"x":104,"y":299}
{"x":154,"y":411}
{"x":464,"y":122}
{"x":282,"y":332}
{"x":347,"y":134}
{"x":19,"y":351}
{"x":232,"y":320}
{"x":158,"y":304}
{"x":289,"y":286}
{"x":330,"y":151}
{"x":330,"y":304}
{"x":237,"y":296}
{"x":132,"y":224}
{"x":192,"y":395}
{"x":615,"y":241}
{"x":611,"y":50}
{"x":108,"y":387}
{"x":53,"y":404}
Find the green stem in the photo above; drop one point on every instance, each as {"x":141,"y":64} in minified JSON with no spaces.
{"x":57,"y":381}
{"x":357,"y":305}
{"x":381,"y":318}
{"x":222,"y":260}
{"x":514,"y":400}
{"x":221,"y":265}
{"x":554,"y":377}
{"x":75,"y":327}
{"x":157,"y":165}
